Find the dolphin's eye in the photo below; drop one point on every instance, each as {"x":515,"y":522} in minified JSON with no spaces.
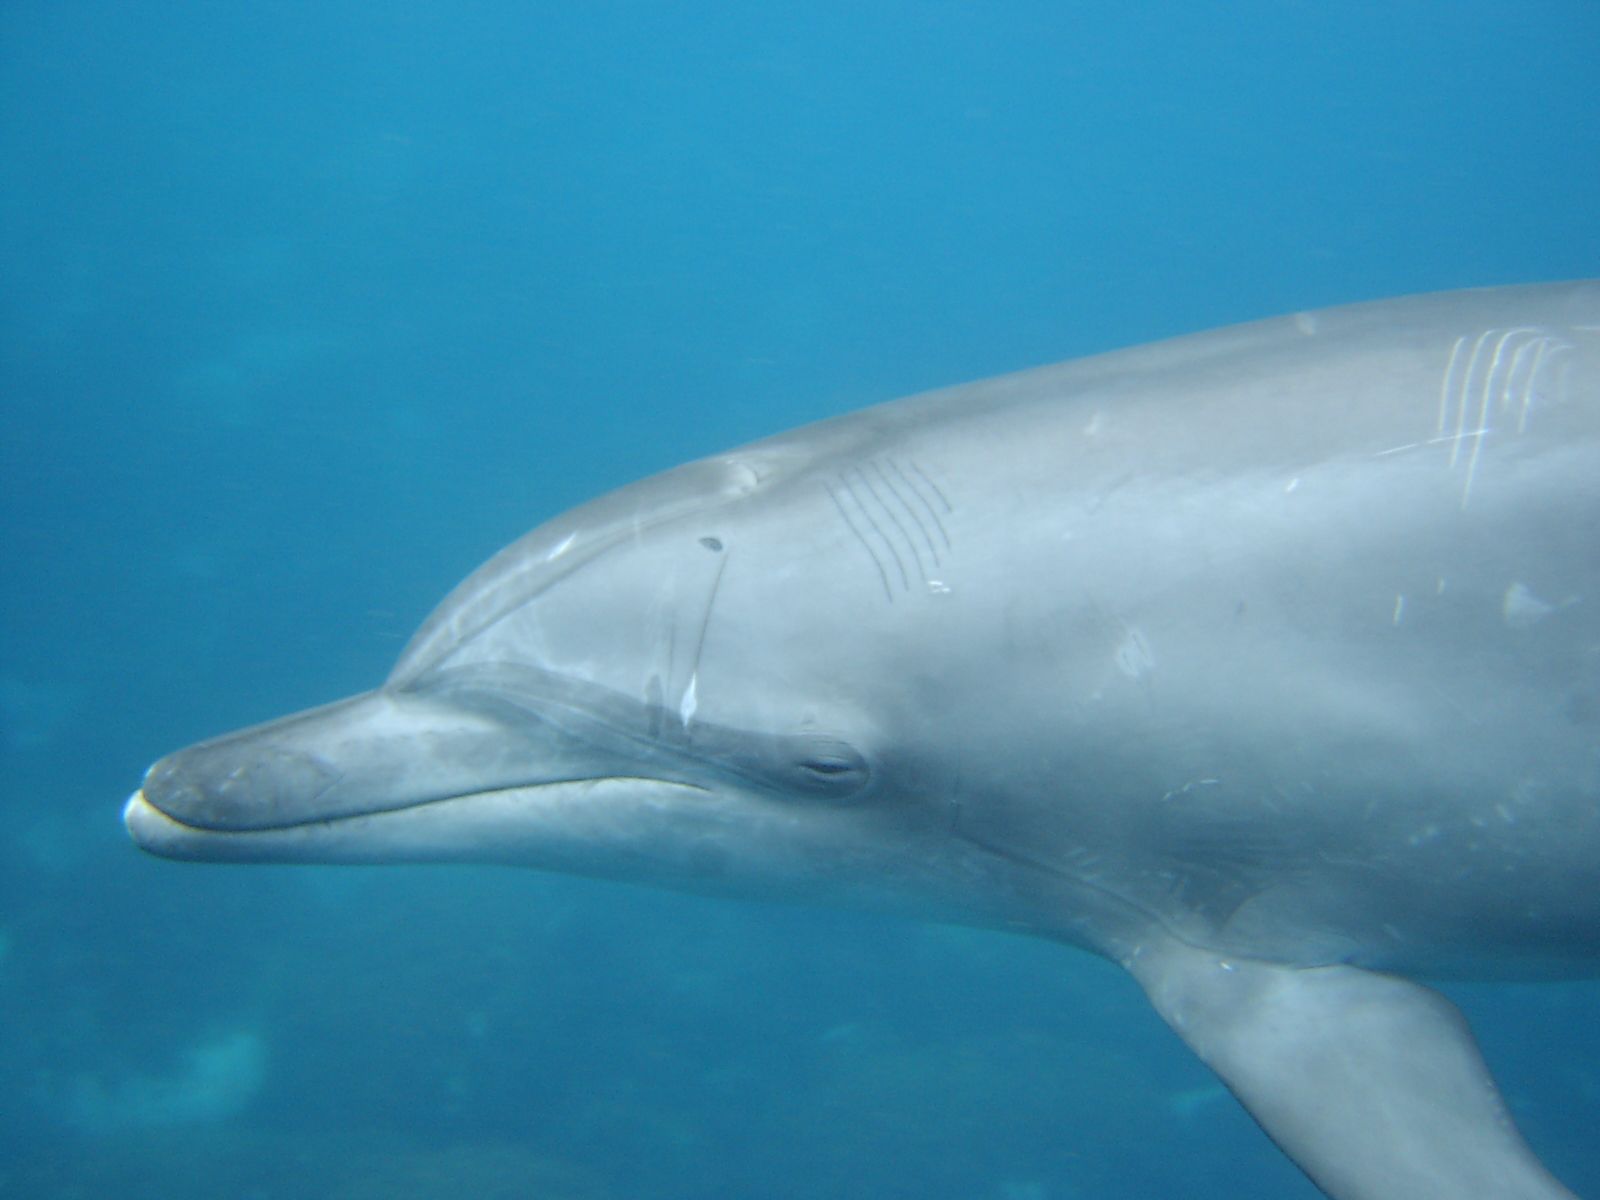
{"x":799,"y":766}
{"x":828,"y":767}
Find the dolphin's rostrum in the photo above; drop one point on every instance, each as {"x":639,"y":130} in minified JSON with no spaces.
{"x":1265,"y":662}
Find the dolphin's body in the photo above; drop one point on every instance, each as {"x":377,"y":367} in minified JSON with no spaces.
{"x":1265,"y":662}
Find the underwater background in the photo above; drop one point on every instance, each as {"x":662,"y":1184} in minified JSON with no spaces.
{"x":308,"y":307}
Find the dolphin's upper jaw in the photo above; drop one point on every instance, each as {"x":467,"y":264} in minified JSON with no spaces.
{"x":258,"y":787}
{"x":302,"y":787}
{"x":176,"y":803}
{"x":379,"y":751}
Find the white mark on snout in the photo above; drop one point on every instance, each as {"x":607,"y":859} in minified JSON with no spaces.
{"x":1399,"y":608}
{"x":1292,"y":485}
{"x":561,"y":547}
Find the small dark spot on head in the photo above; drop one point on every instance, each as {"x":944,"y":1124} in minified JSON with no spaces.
{"x":711,"y":543}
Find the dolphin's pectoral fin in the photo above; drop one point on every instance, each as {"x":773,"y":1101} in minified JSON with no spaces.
{"x":1372,"y":1084}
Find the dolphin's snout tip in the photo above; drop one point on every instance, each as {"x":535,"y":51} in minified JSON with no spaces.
{"x":154,"y":832}
{"x":130,"y":809}
{"x":169,"y":810}
{"x":142,"y":820}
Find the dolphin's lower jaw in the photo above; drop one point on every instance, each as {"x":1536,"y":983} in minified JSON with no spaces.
{"x":554,"y":825}
{"x":637,"y":830}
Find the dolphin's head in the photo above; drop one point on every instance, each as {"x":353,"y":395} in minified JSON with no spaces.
{"x":667,"y":684}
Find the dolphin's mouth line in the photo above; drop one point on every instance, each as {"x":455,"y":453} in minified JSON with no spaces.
{"x":376,"y":813}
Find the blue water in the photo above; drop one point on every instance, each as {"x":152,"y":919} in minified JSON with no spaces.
{"x":308,"y":307}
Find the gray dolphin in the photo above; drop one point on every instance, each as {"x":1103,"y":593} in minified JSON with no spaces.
{"x":1264,"y":662}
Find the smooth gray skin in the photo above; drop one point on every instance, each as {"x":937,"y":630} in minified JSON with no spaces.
{"x":1265,"y":662}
